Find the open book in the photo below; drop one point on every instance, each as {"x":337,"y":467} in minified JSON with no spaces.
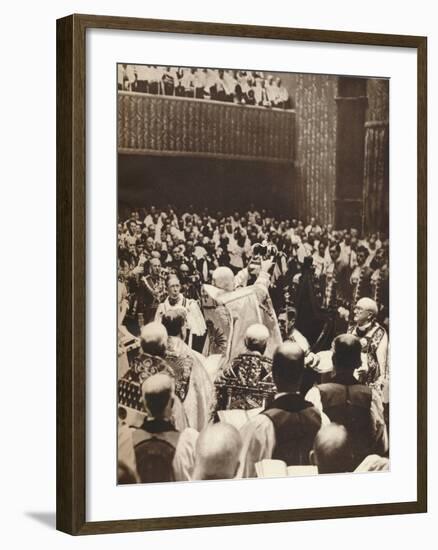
{"x":278,"y":468}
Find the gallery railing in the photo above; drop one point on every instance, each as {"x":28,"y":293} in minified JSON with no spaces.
{"x":166,"y":125}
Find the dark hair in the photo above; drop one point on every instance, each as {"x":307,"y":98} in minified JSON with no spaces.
{"x":174,"y":321}
{"x":256,"y":345}
{"x":157,"y":402}
{"x":287,"y":368}
{"x":172,"y":276}
{"x":291,"y":314}
{"x":336,"y":246}
{"x":363,"y":250}
{"x":157,"y":349}
{"x":163,"y":255}
{"x":346,"y":352}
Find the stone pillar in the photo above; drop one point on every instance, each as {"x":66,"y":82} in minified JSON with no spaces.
{"x":350,"y":146}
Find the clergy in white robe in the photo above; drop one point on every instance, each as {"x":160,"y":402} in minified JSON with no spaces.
{"x":175,"y":300}
{"x":230,"y":312}
{"x":193,"y":385}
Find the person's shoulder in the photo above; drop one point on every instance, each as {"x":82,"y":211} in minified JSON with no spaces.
{"x":377,"y":330}
{"x":326,"y":386}
{"x":189,"y":434}
{"x":198,"y":357}
{"x":312,"y":392}
{"x":258,"y":422}
{"x":187,"y":439}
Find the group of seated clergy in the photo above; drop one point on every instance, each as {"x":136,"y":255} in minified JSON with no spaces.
{"x":336,"y":426}
{"x":225,"y":380}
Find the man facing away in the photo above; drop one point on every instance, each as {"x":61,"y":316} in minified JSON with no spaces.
{"x":162,"y":453}
{"x":331,"y":451}
{"x":217,"y":452}
{"x":347,"y":402}
{"x":230,"y":311}
{"x":244,"y":384}
{"x":151,"y":360}
{"x":193,"y":385}
{"x":286,"y":429}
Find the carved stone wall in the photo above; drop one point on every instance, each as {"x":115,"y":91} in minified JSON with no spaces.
{"x":376,"y":170}
{"x":376,"y":177}
{"x":378,"y":99}
{"x":315,"y":107}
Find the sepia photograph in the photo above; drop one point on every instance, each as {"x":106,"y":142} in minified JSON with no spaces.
{"x":252,"y":273}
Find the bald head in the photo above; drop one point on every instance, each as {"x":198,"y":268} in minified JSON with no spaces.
{"x":153,"y":339}
{"x":288,"y":366}
{"x":256,"y":338}
{"x":365,"y":311}
{"x":331,"y":450}
{"x":346,"y":352}
{"x":368,"y":305}
{"x":157,"y":391}
{"x":217,"y":452}
{"x":223,"y":278}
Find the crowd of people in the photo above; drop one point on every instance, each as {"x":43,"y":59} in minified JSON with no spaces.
{"x":247,"y":338}
{"x":233,"y":86}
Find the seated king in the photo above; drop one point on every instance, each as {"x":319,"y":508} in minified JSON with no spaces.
{"x":247,"y":384}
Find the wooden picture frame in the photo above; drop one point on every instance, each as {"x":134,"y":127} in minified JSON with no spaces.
{"x":71,"y":272}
